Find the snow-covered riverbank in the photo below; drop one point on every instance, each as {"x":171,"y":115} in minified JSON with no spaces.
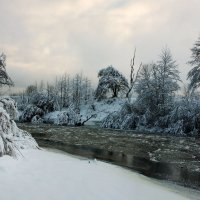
{"x":48,"y":175}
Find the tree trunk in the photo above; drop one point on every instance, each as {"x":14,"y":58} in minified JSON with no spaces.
{"x":115,"y":93}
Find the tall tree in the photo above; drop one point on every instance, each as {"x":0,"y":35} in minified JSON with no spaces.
{"x":194,"y":73}
{"x":77,"y":91}
{"x":157,"y":85}
{"x":133,"y":76}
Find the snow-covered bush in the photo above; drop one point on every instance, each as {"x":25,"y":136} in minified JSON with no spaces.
{"x":122,"y":119}
{"x":36,"y":120}
{"x":22,"y":101}
{"x":65,"y":117}
{"x":184,"y":119}
{"x":62,"y":118}
{"x":29,"y":112}
{"x":12,"y":139}
{"x":10,"y":106}
{"x":48,"y":103}
{"x":39,"y":104}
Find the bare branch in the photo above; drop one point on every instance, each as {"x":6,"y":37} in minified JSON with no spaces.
{"x":132,"y":68}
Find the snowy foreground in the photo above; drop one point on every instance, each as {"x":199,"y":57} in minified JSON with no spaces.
{"x":48,"y":175}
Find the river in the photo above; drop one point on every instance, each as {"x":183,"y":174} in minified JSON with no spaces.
{"x":170,"y":158}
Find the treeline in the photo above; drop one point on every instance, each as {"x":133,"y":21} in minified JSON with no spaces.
{"x":66,"y":92}
{"x":155,"y":105}
{"x":157,"y":108}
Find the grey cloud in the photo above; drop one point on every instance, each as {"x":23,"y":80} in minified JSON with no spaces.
{"x":46,"y":38}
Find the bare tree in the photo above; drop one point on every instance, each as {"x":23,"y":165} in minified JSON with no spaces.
{"x":77,"y":90}
{"x":133,"y":76}
{"x":50,"y":89}
{"x":66,"y":90}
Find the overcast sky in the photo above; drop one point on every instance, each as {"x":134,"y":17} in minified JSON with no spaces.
{"x":45,"y":38}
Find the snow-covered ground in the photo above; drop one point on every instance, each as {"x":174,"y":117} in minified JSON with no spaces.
{"x":48,"y":175}
{"x":101,"y":109}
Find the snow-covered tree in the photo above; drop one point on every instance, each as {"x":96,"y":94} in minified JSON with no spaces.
{"x":184,"y":119}
{"x":194,"y":73}
{"x":47,"y":103}
{"x":40,"y":104}
{"x":75,"y":90}
{"x":31,"y":89}
{"x":64,"y":117}
{"x":110,"y":80}
{"x":29,"y":112}
{"x":4,"y":78}
{"x":10,"y":106}
{"x":87,"y":91}
{"x":62,"y":88}
{"x":125,"y":118}
{"x":157,"y":85}
{"x":12,"y":139}
{"x":28,"y":94}
{"x":64,"y":93}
